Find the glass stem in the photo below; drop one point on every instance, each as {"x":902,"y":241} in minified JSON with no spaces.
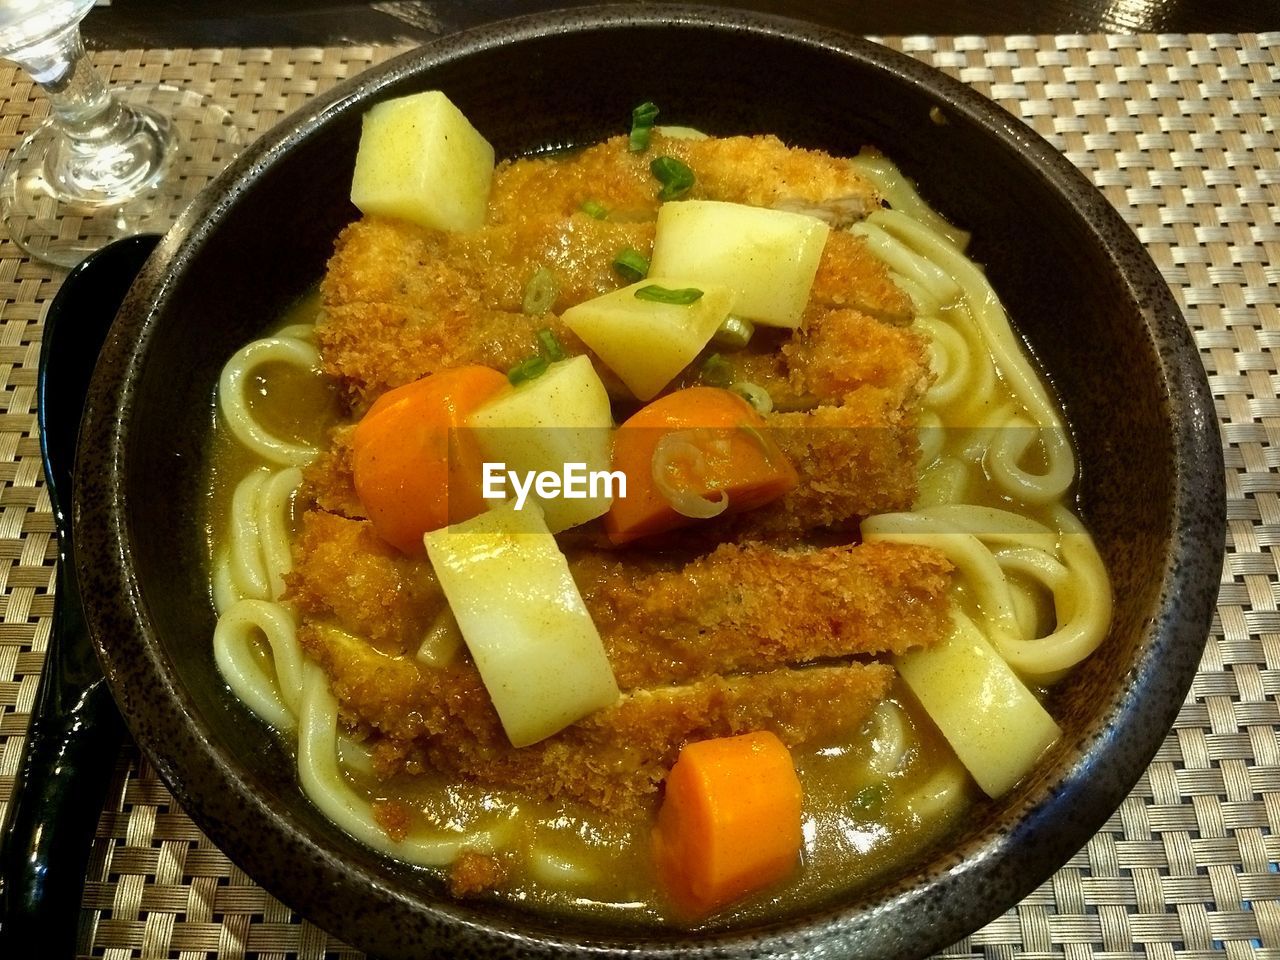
{"x":103,"y":152}
{"x":82,"y":106}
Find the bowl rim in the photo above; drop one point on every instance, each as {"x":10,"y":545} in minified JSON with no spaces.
{"x":182,"y":751}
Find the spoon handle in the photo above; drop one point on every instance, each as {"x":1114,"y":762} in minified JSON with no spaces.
{"x":76,"y":730}
{"x":71,"y":748}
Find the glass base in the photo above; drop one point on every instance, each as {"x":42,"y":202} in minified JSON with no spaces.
{"x":48,"y":220}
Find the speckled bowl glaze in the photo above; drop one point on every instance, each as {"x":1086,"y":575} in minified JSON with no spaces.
{"x":1083,"y":293}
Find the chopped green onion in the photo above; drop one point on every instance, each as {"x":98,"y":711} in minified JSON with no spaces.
{"x":674,"y":175}
{"x":735,"y":333}
{"x":673,"y":449}
{"x":681,"y":297}
{"x":552,"y":349}
{"x":528,"y":369}
{"x":595,"y":209}
{"x":642,"y":118}
{"x":716,"y":371}
{"x":631,"y":264}
{"x":539,"y":293}
{"x":755,"y":395}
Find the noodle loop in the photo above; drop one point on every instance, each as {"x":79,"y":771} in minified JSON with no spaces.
{"x":234,"y":403}
{"x":255,"y":642}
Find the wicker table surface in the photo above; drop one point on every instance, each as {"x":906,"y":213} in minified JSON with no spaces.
{"x":1179,"y":132}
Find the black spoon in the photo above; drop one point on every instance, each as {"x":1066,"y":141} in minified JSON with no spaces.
{"x":75,"y":730}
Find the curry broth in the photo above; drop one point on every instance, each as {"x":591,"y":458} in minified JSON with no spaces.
{"x":571,"y":858}
{"x":860,"y":824}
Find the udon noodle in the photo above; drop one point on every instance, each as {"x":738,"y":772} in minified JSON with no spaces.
{"x":996,"y":469}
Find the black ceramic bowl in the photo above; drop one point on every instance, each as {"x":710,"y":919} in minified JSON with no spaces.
{"x":1089,"y":303}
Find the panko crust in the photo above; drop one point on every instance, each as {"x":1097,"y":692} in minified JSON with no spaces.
{"x":401,"y":301}
{"x":345,"y":572}
{"x":753,"y":607}
{"x":739,"y":608}
{"x":744,"y":625}
{"x":851,"y":276}
{"x":760,"y":171}
{"x":473,"y":872}
{"x":706,"y":647}
{"x":441,"y":719}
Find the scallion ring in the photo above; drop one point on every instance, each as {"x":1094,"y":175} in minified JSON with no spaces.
{"x":755,"y":395}
{"x":539,"y":293}
{"x":631,"y":264}
{"x":716,"y":371}
{"x":642,"y":118}
{"x":735,"y":333}
{"x":594,"y":209}
{"x":674,"y":175}
{"x":672,"y":449}
{"x":551,"y":346}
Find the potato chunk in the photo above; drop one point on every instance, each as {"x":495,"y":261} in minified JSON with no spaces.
{"x":520,"y":612}
{"x":768,"y":258}
{"x":544,"y":424}
{"x":421,"y":160}
{"x":646,"y":342}
{"x":995,"y":724}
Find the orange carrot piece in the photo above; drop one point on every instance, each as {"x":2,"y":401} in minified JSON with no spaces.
{"x":740,"y":460}
{"x":729,"y":824}
{"x":415,"y":470}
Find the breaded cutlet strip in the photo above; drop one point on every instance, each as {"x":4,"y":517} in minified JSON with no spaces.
{"x":848,"y":466}
{"x":442,"y":719}
{"x":329,"y":480}
{"x":843,"y":350}
{"x":760,"y":171}
{"x":736,"y":609}
{"x":401,"y":301}
{"x":853,"y":460}
{"x":851,"y":276}
{"x":753,"y":607}
{"x":834,"y":353}
{"x":344,"y":571}
{"x":385,"y":260}
{"x":616,"y":758}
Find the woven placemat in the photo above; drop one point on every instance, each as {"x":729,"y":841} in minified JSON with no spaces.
{"x":1180,"y":134}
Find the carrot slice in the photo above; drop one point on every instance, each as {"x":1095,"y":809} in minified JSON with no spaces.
{"x":710,"y":444}
{"x":415,"y":470}
{"x":730,"y":821}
